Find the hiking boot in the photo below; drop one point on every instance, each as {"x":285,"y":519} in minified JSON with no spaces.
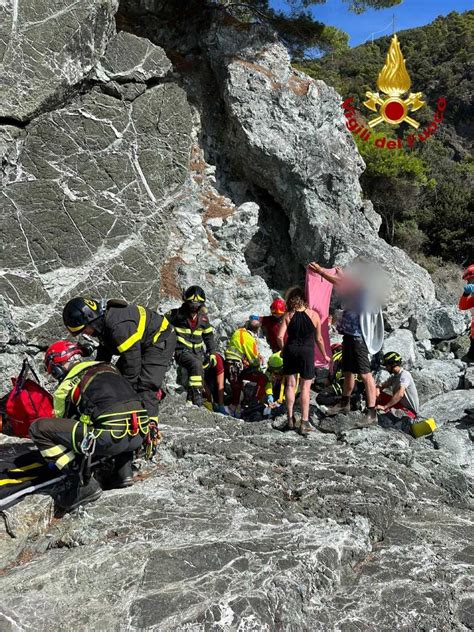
{"x":76,"y":494}
{"x":369,"y":418}
{"x":304,"y":428}
{"x":340,"y":407}
{"x":123,"y":472}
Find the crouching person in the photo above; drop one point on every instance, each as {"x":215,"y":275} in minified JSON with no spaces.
{"x":404,"y":395}
{"x":96,"y":411}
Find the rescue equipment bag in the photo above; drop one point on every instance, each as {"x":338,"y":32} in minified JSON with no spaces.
{"x":27,"y":401}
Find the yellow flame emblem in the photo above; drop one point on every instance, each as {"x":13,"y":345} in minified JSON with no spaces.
{"x":394,"y":80}
{"x":92,"y":304}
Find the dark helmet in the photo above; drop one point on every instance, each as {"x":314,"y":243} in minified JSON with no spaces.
{"x":392,"y":358}
{"x":194,"y":294}
{"x":80,"y":312}
{"x":194,"y":297}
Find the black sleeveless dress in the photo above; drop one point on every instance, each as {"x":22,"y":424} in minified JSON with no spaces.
{"x":298,"y":352}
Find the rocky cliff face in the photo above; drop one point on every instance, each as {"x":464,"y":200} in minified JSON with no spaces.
{"x":148,"y":145}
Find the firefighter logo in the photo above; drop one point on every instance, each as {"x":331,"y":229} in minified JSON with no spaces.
{"x":90,"y":303}
{"x":394,"y":81}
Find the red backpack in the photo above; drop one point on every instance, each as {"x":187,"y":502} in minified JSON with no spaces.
{"x":27,"y":401}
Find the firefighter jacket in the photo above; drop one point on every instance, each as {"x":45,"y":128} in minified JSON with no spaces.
{"x":128,"y":331}
{"x":192,"y":334}
{"x":91,"y":389}
{"x":243,"y":347}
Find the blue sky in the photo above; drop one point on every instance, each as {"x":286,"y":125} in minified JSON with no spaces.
{"x":409,"y":14}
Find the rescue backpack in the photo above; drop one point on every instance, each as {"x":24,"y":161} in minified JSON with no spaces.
{"x":27,"y":401}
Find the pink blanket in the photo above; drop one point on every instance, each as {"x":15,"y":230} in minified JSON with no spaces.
{"x":318,"y":294}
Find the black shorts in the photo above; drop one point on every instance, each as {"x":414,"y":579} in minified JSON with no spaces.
{"x":298,"y":359}
{"x":355,"y":355}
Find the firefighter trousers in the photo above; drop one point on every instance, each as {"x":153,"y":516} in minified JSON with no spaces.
{"x":59,"y":440}
{"x":192,"y":362}
{"x":156,"y":360}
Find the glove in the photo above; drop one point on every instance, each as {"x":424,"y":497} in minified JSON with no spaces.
{"x":212,"y":359}
{"x":469,"y":288}
{"x":270,"y":399}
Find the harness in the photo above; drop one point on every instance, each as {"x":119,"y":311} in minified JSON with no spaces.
{"x":119,"y":424}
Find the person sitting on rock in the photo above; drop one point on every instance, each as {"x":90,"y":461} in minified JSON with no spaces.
{"x":244,"y":362}
{"x":467,"y":302}
{"x":214,"y":383}
{"x":195,"y":336}
{"x":96,"y":410}
{"x":271,"y":324}
{"x":404,"y":395}
{"x":361,"y":328}
{"x":144,"y":340}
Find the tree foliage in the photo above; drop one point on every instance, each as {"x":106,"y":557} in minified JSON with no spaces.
{"x":298,"y":28}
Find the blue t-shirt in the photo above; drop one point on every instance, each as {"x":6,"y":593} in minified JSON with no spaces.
{"x":350,"y":319}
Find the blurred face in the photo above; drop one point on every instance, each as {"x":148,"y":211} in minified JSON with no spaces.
{"x":194,"y":306}
{"x":88,"y":331}
{"x":277,"y":315}
{"x":470,"y":279}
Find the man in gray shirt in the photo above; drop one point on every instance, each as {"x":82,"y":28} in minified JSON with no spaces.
{"x":403,"y":390}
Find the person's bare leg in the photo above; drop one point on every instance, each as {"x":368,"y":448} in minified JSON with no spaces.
{"x":304,"y":398}
{"x":349,"y":383}
{"x":370,"y":389}
{"x":347,"y":388}
{"x":220,"y":389}
{"x":290,"y":387}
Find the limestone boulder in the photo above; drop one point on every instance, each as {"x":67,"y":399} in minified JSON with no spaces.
{"x":47,"y":48}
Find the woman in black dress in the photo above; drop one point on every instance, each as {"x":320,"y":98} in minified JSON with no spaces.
{"x":303,"y":328}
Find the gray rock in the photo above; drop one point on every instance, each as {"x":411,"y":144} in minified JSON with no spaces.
{"x":47,"y":48}
{"x":234,"y":506}
{"x":132,"y":58}
{"x":469,"y":377}
{"x":87,"y":208}
{"x":449,"y":406}
{"x":402,"y":341}
{"x":444,"y":322}
{"x":436,"y":377}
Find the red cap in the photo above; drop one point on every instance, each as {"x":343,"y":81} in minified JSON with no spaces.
{"x":278,"y":306}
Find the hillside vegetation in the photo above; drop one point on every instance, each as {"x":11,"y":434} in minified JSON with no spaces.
{"x":423,"y":194}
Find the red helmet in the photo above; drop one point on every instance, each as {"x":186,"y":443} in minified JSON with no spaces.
{"x":278,"y":306}
{"x":336,"y":346}
{"x":468,"y":272}
{"x":58,"y":354}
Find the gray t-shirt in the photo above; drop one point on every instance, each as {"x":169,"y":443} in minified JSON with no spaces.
{"x":410,"y":398}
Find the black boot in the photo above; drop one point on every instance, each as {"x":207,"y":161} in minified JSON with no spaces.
{"x":196,"y":395}
{"x":76,"y":494}
{"x":123,"y":472}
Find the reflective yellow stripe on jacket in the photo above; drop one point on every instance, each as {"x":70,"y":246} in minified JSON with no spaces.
{"x":197,"y":343}
{"x":138,"y":335}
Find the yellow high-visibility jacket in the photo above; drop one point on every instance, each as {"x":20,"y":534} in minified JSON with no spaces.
{"x":243,"y":346}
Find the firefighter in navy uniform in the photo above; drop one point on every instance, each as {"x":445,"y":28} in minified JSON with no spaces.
{"x":144,"y":340}
{"x":195,"y":336}
{"x":96,"y":411}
